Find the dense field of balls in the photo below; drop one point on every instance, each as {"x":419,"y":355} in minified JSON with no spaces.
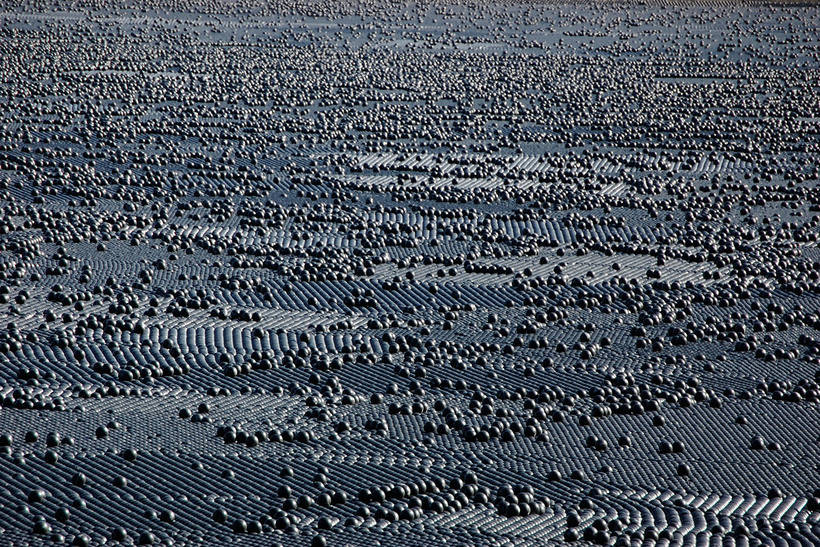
{"x":376,"y":272}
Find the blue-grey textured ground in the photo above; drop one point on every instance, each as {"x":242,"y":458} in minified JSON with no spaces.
{"x":376,"y":273}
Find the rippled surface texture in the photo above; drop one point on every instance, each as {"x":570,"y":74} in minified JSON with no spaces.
{"x":376,"y":273}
